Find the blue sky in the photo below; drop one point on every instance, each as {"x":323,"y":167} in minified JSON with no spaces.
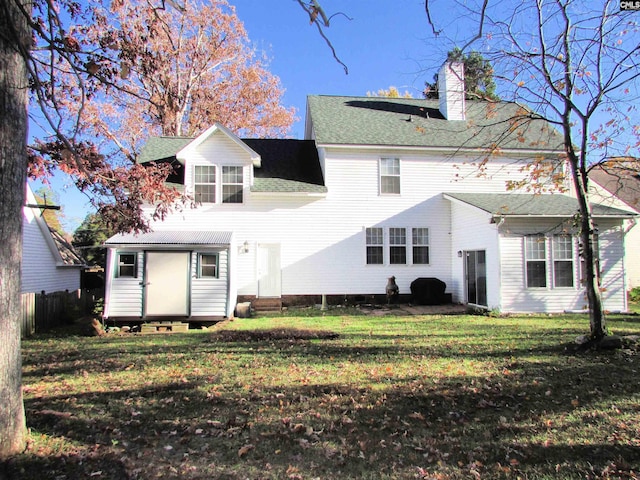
{"x":385,"y":43}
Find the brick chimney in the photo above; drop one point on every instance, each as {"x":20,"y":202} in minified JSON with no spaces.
{"x":451,"y":91}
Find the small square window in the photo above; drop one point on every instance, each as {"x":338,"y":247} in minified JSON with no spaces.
{"x":127,"y":265}
{"x":207,"y":265}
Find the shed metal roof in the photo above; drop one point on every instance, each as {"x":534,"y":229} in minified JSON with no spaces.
{"x":171,"y":238}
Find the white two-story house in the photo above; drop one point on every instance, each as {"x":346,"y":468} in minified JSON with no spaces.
{"x":379,"y":187}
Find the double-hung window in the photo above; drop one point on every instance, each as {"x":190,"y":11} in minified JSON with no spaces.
{"x":208,"y":265}
{"x":232,"y":184}
{"x":390,"y":176}
{"x":375,"y":246}
{"x":398,"y":246}
{"x":536,"y":261}
{"x":562,"y":248}
{"x":127,"y":265}
{"x":420,"y":242}
{"x":204,"y":181}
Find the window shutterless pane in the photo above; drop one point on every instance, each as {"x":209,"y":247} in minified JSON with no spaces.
{"x":374,"y":256}
{"x":205,"y":193}
{"x":232,"y":174}
{"x":232,"y":194}
{"x":563,"y":273}
{"x":397,"y":255}
{"x":536,"y":274}
{"x":421,"y":255}
{"x":390,"y":166}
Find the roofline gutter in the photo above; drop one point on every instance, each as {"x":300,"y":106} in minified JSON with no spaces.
{"x":289,"y":194}
{"x":509,"y":151}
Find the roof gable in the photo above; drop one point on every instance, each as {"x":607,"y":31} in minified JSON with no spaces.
{"x":183,"y":153}
{"x":410,"y":122}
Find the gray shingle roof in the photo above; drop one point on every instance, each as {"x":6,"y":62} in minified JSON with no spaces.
{"x":162,"y":148}
{"x":171,"y":238}
{"x":419,"y":123}
{"x":287,"y":166}
{"x":543,"y":205}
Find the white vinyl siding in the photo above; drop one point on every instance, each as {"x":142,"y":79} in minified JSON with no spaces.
{"x":209,"y":294}
{"x":126,"y":292}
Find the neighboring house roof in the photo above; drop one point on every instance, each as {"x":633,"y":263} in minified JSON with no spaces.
{"x":532,"y":205}
{"x":409,"y":122}
{"x":171,"y":238}
{"x":621,"y":180}
{"x":64,"y":253}
{"x":287,"y":166}
{"x":70,"y":257}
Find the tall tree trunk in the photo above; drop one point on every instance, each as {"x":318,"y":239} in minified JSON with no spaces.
{"x":588,"y":233}
{"x":14,"y":43}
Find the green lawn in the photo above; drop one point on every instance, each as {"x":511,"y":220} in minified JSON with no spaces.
{"x":335,"y":397}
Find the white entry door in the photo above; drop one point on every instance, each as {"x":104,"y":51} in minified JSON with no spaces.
{"x":269,"y":275}
{"x":167,"y":283}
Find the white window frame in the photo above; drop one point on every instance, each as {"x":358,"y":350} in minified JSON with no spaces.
{"x":568,"y":249}
{"x":120,"y":264}
{"x":216,"y":265}
{"x":420,"y":241}
{"x":374,"y":242}
{"x":211,"y":198}
{"x":397,"y":244}
{"x":386,"y":173}
{"x":535,"y":255}
{"x":236,"y":184}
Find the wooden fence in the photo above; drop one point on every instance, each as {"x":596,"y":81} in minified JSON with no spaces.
{"x":41,"y":312}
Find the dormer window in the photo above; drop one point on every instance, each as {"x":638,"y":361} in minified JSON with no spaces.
{"x":204,"y":181}
{"x":232,"y":183}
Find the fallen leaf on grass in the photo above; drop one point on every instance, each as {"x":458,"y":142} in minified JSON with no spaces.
{"x":244,"y":450}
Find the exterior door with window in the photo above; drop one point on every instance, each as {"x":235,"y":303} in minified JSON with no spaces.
{"x":476,"y":277}
{"x":269,"y":275}
{"x":167,"y":283}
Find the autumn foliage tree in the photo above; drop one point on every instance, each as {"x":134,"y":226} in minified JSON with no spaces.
{"x":73,"y":57}
{"x":575,"y":65}
{"x":178,"y":72}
